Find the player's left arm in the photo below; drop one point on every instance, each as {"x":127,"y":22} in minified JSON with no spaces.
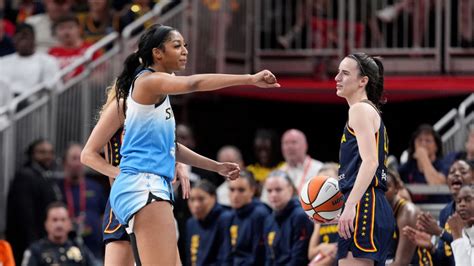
{"x":361,"y":120}
{"x":189,"y":157}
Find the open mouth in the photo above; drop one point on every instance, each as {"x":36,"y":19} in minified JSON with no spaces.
{"x":457,"y":184}
{"x":463,"y":213}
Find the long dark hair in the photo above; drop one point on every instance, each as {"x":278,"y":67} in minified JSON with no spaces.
{"x":371,"y":67}
{"x":154,"y":37}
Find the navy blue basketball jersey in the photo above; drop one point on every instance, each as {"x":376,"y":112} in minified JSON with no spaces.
{"x":112,"y":230}
{"x":422,"y":256}
{"x":328,"y":233}
{"x":350,"y":160}
{"x":112,"y":149}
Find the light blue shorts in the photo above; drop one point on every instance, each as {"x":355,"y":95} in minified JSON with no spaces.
{"x":131,"y":192}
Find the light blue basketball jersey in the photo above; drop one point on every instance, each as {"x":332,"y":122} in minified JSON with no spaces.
{"x":149,"y":138}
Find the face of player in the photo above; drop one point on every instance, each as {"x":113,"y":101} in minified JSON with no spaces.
{"x":459,"y":174}
{"x":240,"y":193}
{"x":58,"y":224}
{"x":43,"y":154}
{"x":348,"y":80}
{"x":68,"y":33}
{"x":427,"y":141}
{"x":72,"y":163}
{"x":263,"y":150}
{"x":174,"y":57}
{"x":465,"y":203}
{"x":279,"y":192}
{"x":200,"y":203}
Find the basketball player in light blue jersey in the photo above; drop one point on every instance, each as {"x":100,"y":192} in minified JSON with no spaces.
{"x":107,"y":136}
{"x":367,"y":222}
{"x":141,"y":196}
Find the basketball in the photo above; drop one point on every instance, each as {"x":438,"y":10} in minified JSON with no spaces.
{"x":321,"y":199}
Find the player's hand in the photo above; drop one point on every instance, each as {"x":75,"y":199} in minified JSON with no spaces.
{"x":265,"y":79}
{"x":346,"y":221}
{"x":456,"y":225}
{"x":417,"y":237}
{"x":428,"y":224}
{"x":230,"y":171}
{"x":182,"y":177}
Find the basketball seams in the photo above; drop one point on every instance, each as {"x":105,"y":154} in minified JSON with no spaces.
{"x":339,"y":204}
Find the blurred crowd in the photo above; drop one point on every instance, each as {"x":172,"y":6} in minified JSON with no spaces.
{"x":56,"y":205}
{"x":38,"y":38}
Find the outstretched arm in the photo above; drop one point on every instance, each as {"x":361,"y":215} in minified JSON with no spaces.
{"x":163,"y":84}
{"x":189,"y":157}
{"x":109,"y":122}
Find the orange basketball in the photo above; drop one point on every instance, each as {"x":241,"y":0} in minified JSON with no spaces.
{"x":321,"y":199}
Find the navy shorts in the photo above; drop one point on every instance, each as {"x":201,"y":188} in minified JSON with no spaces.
{"x":112,"y":230}
{"x":374,"y":225}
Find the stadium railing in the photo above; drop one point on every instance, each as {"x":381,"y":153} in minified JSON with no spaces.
{"x":459,"y":51}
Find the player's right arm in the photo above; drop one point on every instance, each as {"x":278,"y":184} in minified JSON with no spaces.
{"x":109,"y":122}
{"x":164,"y":84}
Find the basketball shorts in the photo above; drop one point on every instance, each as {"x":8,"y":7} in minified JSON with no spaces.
{"x":112,"y":230}
{"x":374,"y":225}
{"x":131,"y":192}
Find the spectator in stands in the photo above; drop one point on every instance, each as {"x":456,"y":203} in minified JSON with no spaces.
{"x":70,"y":45}
{"x":43,"y":23}
{"x":417,"y":9}
{"x":460,"y":173}
{"x":135,"y":10}
{"x":204,"y":235}
{"x":28,"y":8}
{"x":425,"y":164}
{"x":404,"y":252}
{"x":228,"y":154}
{"x":98,"y":21}
{"x":243,"y":236}
{"x":32,"y":189}
{"x":6,"y":43}
{"x":57,"y":248}
{"x":322,"y":249}
{"x":266,"y":149}
{"x":288,"y":230}
{"x":462,"y":227}
{"x":27,"y":68}
{"x":84,"y":198}
{"x":466,"y":27}
{"x":299,"y":165}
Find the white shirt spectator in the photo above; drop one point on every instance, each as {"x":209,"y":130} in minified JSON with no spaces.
{"x":22,"y":73}
{"x":463,"y":248}
{"x":42,"y":25}
{"x":299,"y":174}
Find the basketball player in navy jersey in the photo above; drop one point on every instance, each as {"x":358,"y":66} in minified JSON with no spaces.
{"x":366,"y":224}
{"x":142,"y":196}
